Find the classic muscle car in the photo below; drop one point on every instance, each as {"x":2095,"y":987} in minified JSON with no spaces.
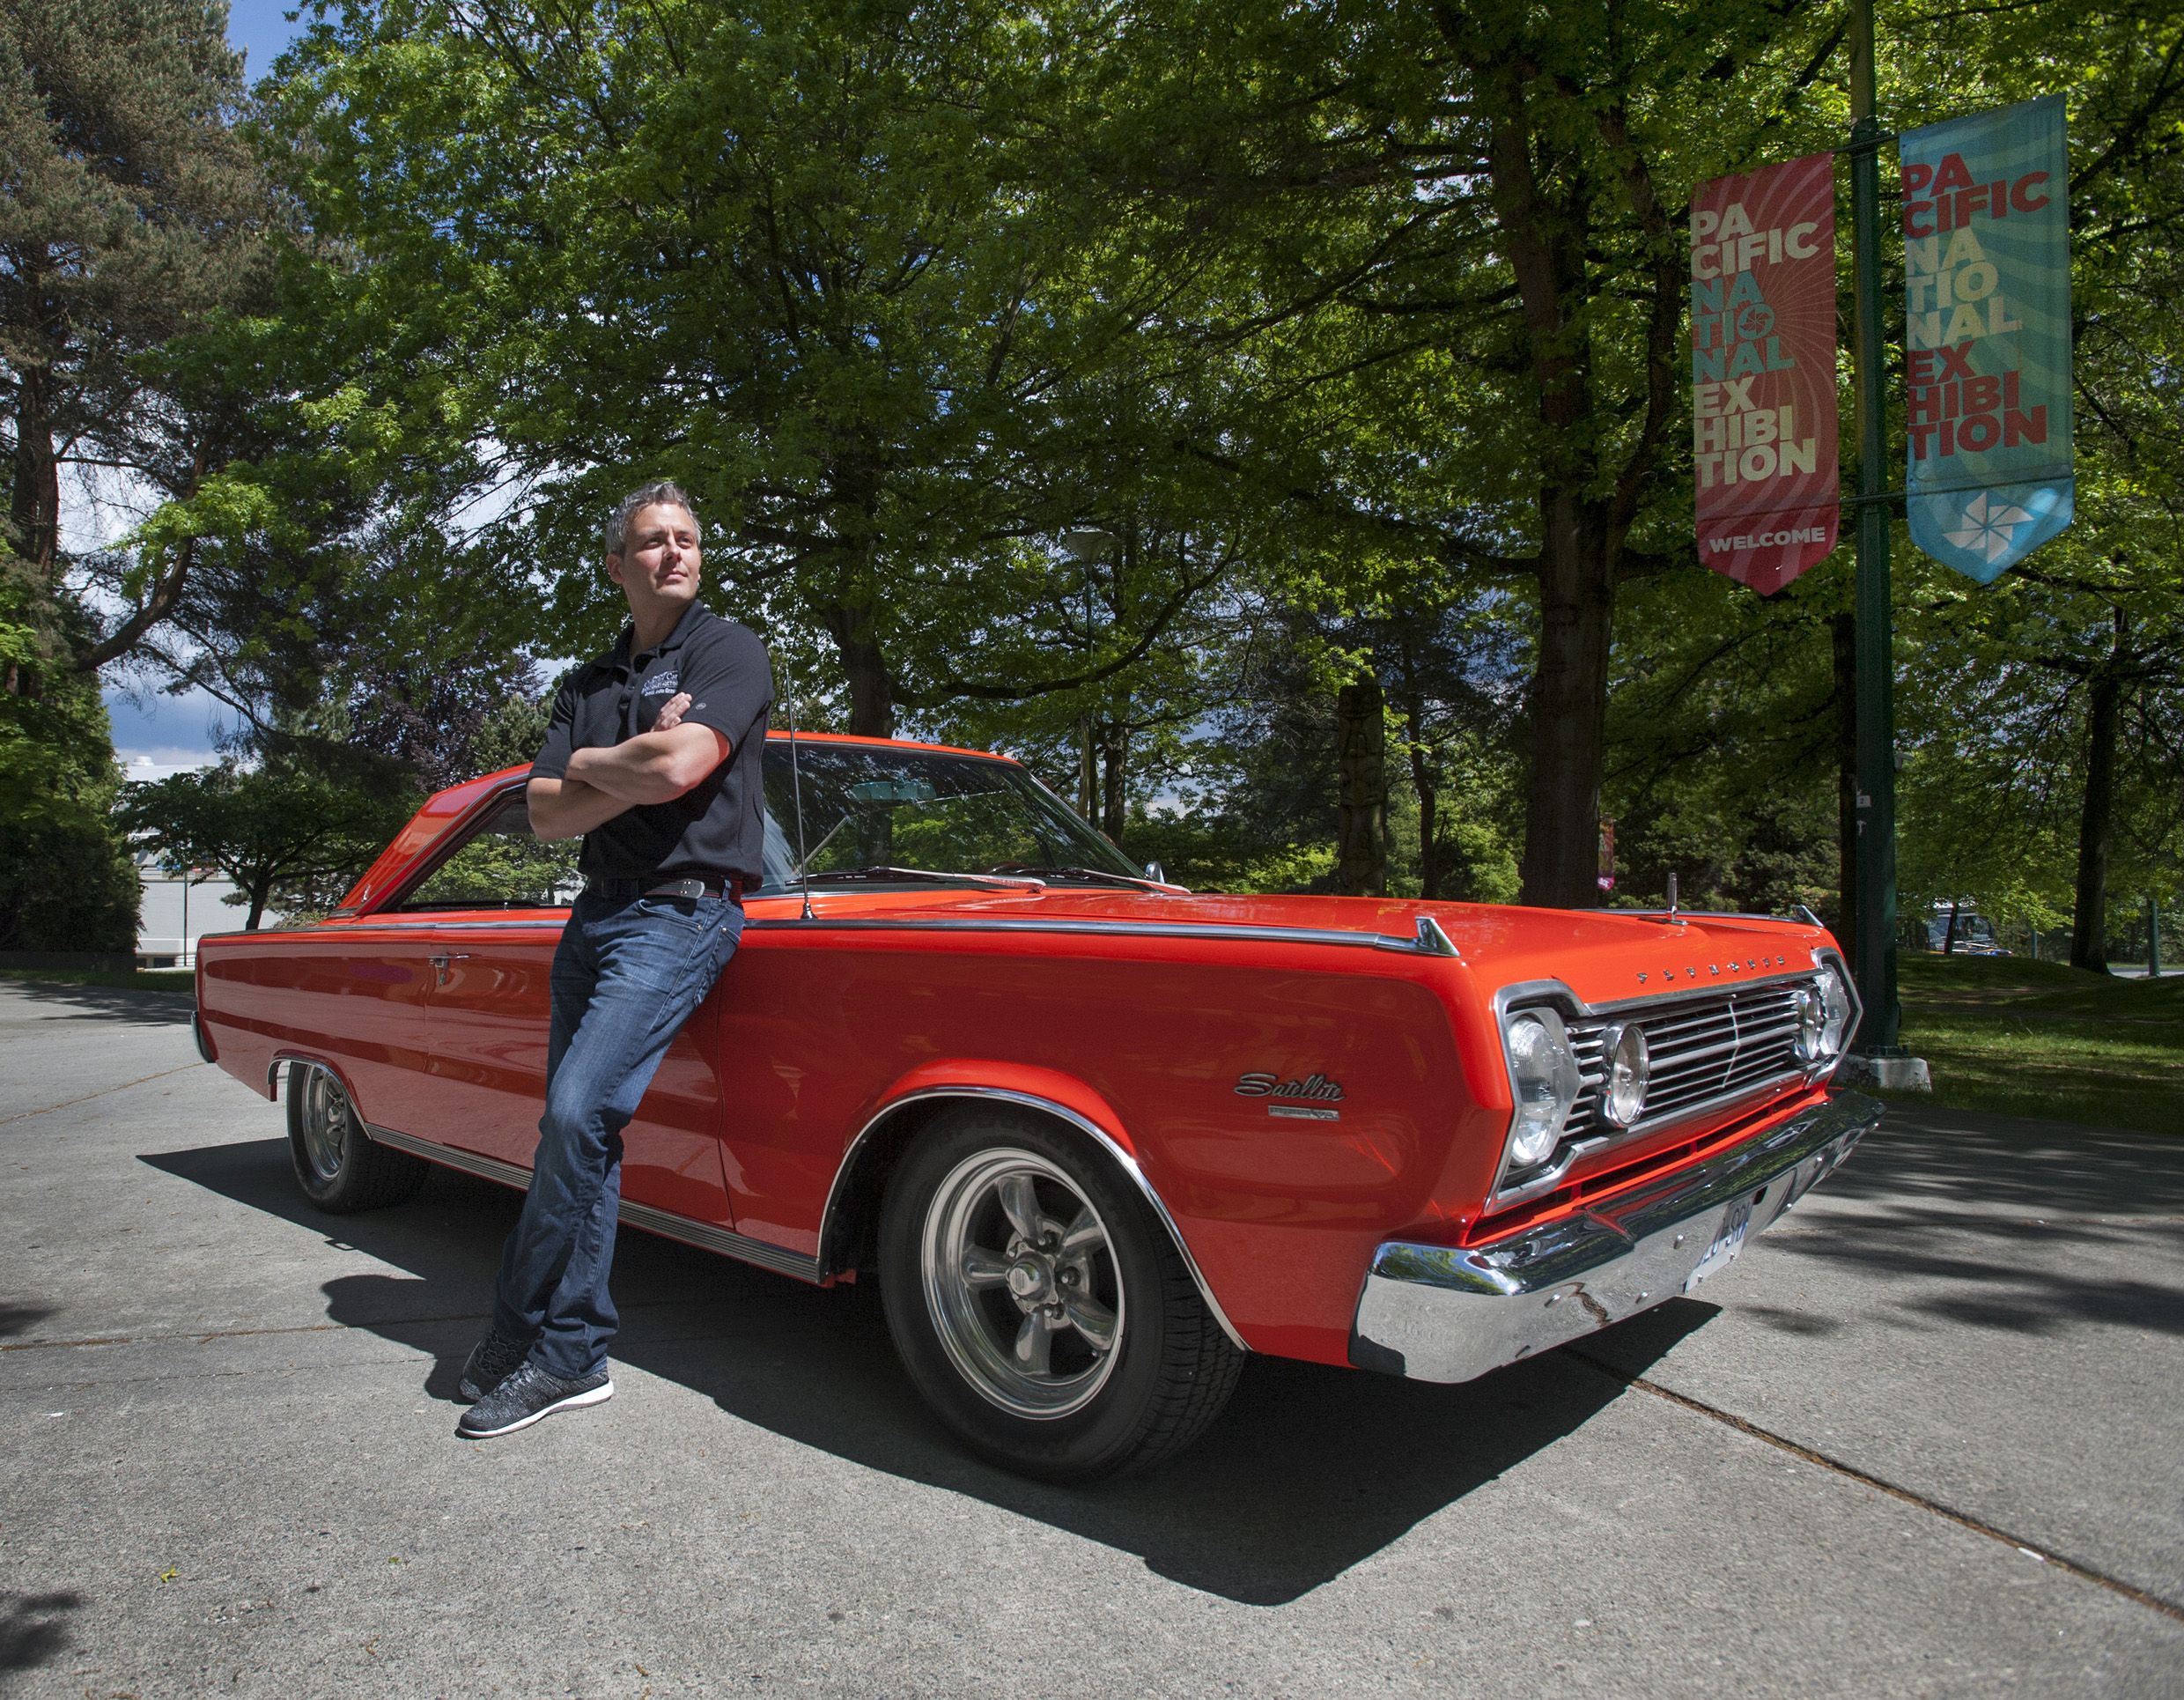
{"x":1096,"y":1137}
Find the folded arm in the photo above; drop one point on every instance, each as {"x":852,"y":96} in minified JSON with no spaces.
{"x":655,"y":767}
{"x":603,"y":781}
{"x":568,"y":809}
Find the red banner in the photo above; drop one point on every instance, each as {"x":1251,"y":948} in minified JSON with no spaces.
{"x":1763,"y":370}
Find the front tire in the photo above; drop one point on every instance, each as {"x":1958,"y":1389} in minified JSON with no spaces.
{"x":338,"y":1165}
{"x":1040,"y":1306}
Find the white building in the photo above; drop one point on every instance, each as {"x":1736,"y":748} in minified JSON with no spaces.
{"x":177,"y":911}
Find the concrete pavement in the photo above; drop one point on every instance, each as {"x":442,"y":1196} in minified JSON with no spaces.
{"x":1920,"y":1440}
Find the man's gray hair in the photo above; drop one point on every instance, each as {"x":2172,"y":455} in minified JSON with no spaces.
{"x":667,"y":492}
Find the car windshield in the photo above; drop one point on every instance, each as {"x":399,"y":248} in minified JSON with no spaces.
{"x":880,"y":816}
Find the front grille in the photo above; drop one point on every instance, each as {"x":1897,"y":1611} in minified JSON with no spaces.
{"x":1703,"y":1049}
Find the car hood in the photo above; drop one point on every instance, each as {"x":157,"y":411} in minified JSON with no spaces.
{"x":1602,"y":956}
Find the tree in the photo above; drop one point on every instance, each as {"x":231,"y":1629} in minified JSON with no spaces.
{"x":267,"y":829}
{"x":865,"y":309}
{"x":132,"y":215}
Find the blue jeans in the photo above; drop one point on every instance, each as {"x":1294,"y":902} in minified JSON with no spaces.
{"x":626,"y":976}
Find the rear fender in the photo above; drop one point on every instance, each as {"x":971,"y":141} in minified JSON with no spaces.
{"x":280,"y":1058}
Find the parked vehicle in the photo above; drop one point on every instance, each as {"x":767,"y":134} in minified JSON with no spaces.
{"x":1974,"y":932}
{"x":1096,"y":1137}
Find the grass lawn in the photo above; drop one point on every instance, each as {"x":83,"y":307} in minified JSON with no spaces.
{"x":134,"y":980}
{"x":2037,"y":1038}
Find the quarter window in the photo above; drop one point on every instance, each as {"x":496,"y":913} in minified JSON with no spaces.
{"x":500,"y":865}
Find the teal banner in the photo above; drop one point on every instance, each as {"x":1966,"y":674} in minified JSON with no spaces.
{"x":1987,"y":336}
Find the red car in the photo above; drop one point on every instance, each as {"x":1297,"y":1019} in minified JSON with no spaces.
{"x":1096,"y":1137}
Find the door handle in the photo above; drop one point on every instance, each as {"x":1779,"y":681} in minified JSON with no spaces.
{"x":439,"y":965}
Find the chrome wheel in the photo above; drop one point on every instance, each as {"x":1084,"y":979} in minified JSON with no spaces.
{"x":325,"y":1123}
{"x":1020,"y":1280}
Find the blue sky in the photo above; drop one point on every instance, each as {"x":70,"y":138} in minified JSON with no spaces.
{"x":262,"y":30}
{"x":172,"y":731}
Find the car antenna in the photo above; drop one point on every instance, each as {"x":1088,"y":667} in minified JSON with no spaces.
{"x":796,"y":789}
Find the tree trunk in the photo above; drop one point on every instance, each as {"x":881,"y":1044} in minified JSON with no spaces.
{"x":1843,"y":629}
{"x":261,"y":890}
{"x":1114,"y":746}
{"x":1362,"y":770}
{"x":1569,"y":695}
{"x":2089,"y":916}
{"x":1949,"y":938}
{"x":1428,"y":798}
{"x":871,"y":686}
{"x":35,"y":501}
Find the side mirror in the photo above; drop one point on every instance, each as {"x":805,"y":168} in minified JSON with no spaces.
{"x":1153,"y":871}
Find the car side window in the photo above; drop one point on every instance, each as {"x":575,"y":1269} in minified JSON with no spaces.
{"x":500,"y":865}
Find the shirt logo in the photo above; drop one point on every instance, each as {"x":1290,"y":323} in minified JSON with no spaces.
{"x":660,"y":685}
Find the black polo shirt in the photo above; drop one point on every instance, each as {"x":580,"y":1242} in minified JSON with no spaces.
{"x":713,"y":828}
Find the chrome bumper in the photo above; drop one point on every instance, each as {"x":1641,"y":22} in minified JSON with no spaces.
{"x":1449,"y":1313}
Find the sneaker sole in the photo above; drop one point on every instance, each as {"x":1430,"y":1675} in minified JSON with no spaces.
{"x":598,"y":1396}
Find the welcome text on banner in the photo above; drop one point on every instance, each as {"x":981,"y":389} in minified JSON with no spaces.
{"x":1763,"y":370}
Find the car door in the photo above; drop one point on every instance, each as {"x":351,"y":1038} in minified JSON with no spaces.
{"x":499,"y":902}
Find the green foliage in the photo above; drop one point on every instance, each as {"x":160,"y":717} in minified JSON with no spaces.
{"x":511,"y":734}
{"x":1252,"y":296}
{"x":67,"y":882}
{"x":282,"y":829}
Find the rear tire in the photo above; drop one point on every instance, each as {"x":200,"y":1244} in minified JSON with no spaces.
{"x":339,"y":1167}
{"x":1039,"y":1305}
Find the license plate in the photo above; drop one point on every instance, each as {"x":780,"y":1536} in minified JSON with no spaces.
{"x":1728,"y":1240}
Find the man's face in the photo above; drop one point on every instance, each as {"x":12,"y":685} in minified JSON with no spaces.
{"x":657,"y":567}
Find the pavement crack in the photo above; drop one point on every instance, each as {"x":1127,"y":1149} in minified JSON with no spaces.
{"x":47,"y":1110}
{"x":1962,"y":1520}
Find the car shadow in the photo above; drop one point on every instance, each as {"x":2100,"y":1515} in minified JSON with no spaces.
{"x":1309,"y":1471}
{"x":2002,"y":1223}
{"x":106,"y":1002}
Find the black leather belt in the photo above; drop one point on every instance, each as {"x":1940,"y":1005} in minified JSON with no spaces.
{"x":731,"y":886}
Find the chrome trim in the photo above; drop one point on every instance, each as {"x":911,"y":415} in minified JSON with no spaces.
{"x":1123,"y":1159}
{"x":273,"y":1074}
{"x":489,"y":1168}
{"x":1412,"y":945}
{"x":1659,"y":1002}
{"x":1452,"y":1313}
{"x":705,"y":1235}
{"x":1681,"y":915}
{"x":1431,"y":940}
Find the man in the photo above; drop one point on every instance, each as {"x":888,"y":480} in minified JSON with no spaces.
{"x":653,"y":755}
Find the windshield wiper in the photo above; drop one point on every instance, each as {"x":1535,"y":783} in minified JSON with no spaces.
{"x":1002,"y":881}
{"x":1106,"y":877}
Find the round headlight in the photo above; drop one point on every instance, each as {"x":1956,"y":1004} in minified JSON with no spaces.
{"x":1623,"y":1097}
{"x":1811,"y":1018}
{"x":1543,"y":1072}
{"x":1837,"y":1012}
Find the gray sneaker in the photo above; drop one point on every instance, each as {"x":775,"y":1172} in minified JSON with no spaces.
{"x":489,"y":1364}
{"x":528,"y":1393}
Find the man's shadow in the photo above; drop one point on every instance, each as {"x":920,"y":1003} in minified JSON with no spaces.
{"x":1309,"y":1471}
